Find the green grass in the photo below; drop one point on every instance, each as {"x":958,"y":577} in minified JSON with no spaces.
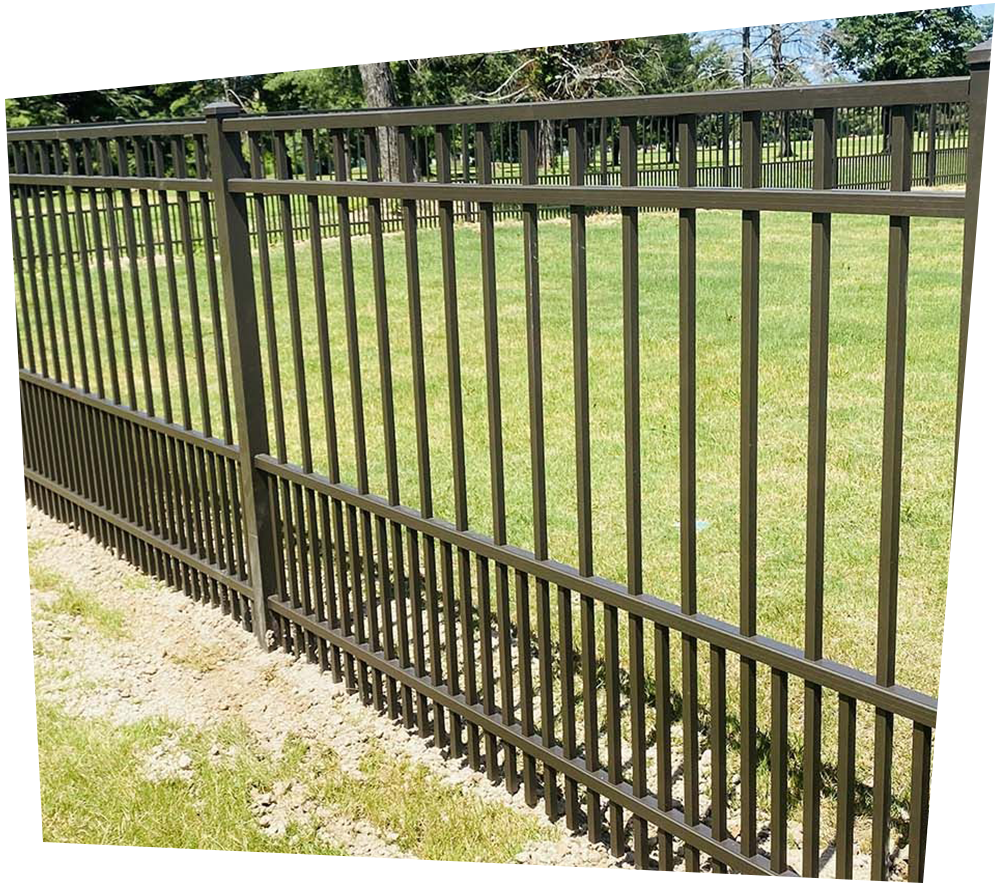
{"x":71,"y":600}
{"x":94,"y":789}
{"x":857,"y":351}
{"x":433,"y":821}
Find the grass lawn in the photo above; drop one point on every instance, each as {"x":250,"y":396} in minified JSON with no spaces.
{"x":156,"y":781}
{"x":855,"y":422}
{"x":855,"y":406}
{"x":96,"y":788}
{"x":857,"y":345}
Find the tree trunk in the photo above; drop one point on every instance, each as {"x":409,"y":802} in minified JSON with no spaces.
{"x":747,"y":60}
{"x":778,"y":78}
{"x":932,"y":146}
{"x":380,"y":92}
{"x":777,"y":62}
{"x":547,"y":145}
{"x":726,"y":132}
{"x":604,"y":151}
{"x":787,"y":150}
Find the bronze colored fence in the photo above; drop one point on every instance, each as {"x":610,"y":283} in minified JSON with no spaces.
{"x":940,"y":145}
{"x":154,"y":417}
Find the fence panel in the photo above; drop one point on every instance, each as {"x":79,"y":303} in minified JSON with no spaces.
{"x":125,"y":382}
{"x":193,"y":397}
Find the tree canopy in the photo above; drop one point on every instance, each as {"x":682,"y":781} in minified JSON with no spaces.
{"x":582,"y":70}
{"x":905,"y":45}
{"x":926,"y":43}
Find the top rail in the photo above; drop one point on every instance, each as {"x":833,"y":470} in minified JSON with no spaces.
{"x":193,"y":127}
{"x":852,"y":95}
{"x":926,"y":91}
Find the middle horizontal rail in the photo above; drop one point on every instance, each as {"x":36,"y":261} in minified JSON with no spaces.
{"x":799,"y":200}
{"x":795,"y":200}
{"x":140,"y":418}
{"x":897,"y":699}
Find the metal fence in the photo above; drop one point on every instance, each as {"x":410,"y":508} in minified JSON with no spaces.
{"x":154,"y":417}
{"x":940,"y":144}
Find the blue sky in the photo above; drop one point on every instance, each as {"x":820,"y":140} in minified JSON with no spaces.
{"x":730,"y":37}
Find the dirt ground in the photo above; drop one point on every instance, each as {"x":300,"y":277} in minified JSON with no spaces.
{"x":190,"y":664}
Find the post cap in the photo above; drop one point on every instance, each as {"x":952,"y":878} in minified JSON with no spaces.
{"x":979,"y":55}
{"x":222,"y":109}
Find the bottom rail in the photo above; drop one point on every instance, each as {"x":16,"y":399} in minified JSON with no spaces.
{"x":671,"y":821}
{"x":140,"y":534}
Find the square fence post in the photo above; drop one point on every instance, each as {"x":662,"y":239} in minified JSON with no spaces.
{"x":226,"y":162}
{"x":979,"y":80}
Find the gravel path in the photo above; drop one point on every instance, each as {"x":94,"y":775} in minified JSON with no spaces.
{"x":190,"y":664}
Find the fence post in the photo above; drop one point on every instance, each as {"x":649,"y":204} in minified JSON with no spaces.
{"x":979,"y":79}
{"x":226,"y":162}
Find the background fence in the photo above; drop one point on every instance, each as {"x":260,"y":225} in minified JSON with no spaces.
{"x":181,"y":403}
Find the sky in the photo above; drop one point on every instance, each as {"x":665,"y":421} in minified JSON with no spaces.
{"x":732,"y":38}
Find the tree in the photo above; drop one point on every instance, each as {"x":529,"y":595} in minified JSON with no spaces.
{"x":784,"y":71}
{"x":747,"y":59}
{"x":380,"y":92}
{"x":593,"y":70}
{"x":710,"y":67}
{"x":84,"y":107}
{"x":778,"y":55}
{"x":162,"y":100}
{"x":314,"y":88}
{"x":189,"y":98}
{"x":905,"y":45}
